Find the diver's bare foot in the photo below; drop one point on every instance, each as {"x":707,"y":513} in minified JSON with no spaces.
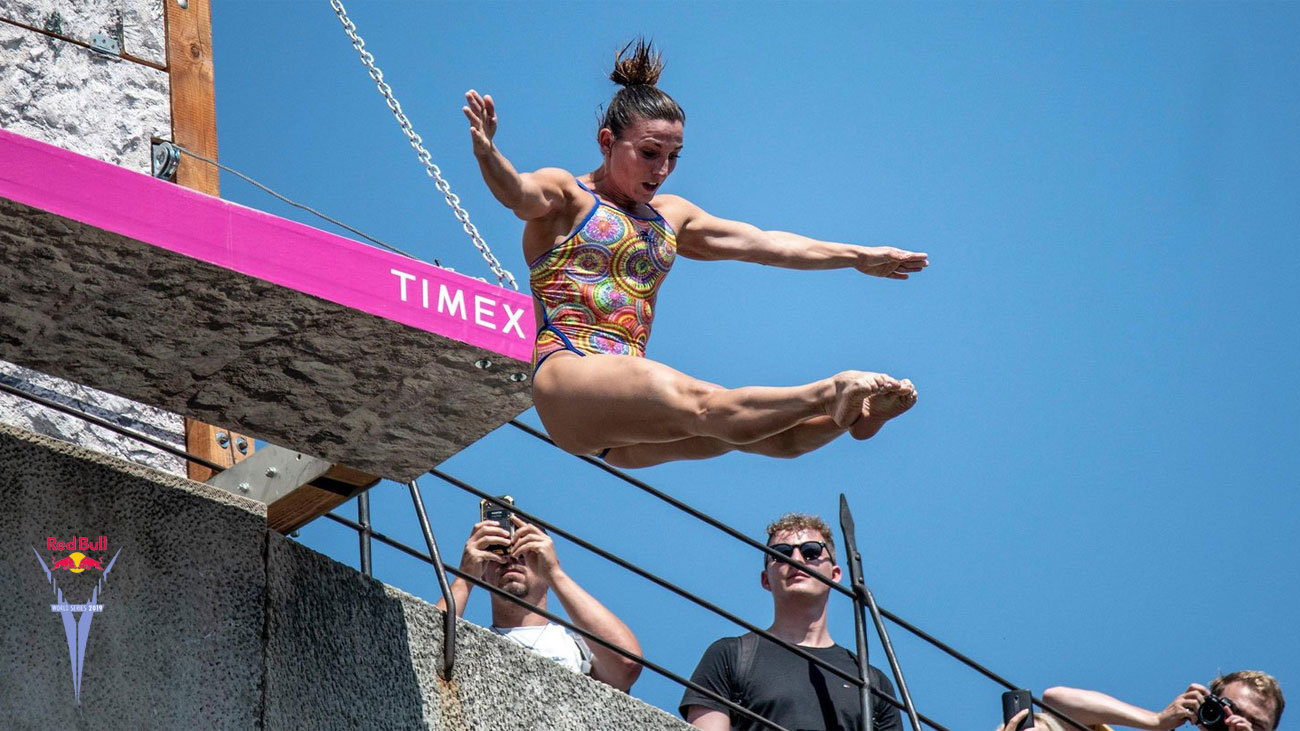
{"x":881,"y":407}
{"x":853,"y":389}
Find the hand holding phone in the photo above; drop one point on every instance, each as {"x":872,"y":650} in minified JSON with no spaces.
{"x":1015,"y":701}
{"x":498,"y":510}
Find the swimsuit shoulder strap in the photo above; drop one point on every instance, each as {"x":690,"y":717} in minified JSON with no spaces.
{"x":657,"y":217}
{"x":594,"y":197}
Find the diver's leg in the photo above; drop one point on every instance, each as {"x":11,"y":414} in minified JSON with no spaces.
{"x":602,"y":401}
{"x":650,"y":454}
{"x":798,"y":440}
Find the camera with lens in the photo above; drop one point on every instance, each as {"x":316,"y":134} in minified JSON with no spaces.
{"x":1212,"y":715}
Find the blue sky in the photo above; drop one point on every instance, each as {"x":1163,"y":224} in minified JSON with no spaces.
{"x":1098,"y":486}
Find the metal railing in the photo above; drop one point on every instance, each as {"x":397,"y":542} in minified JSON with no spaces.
{"x":858,"y":594}
{"x":796,"y":649}
{"x":835,"y":586}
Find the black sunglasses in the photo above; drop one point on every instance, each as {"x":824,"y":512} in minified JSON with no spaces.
{"x":810,"y":550}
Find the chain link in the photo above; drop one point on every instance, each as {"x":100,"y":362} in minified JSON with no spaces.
{"x":503,"y":276}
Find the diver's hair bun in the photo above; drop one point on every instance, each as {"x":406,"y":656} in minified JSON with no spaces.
{"x":637,"y":68}
{"x":640,"y":67}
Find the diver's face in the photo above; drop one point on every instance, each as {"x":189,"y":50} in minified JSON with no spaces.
{"x":642,"y":157}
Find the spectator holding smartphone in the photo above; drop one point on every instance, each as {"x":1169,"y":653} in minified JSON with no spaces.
{"x":526,"y":566}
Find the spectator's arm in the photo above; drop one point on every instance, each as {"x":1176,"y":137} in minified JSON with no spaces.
{"x":588,"y":613}
{"x":884,"y":716}
{"x":1092,"y":707}
{"x":583,"y":609}
{"x":707,"y":719}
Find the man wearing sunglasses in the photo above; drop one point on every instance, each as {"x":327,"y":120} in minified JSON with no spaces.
{"x":769,"y":679}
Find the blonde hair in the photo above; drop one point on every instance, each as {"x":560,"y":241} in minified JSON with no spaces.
{"x":795,"y":522}
{"x":1263,"y":683}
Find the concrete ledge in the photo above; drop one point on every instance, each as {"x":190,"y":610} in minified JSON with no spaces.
{"x":212,"y":621}
{"x":224,"y":348}
{"x":178,"y":644}
{"x":375,"y":651}
{"x":235,"y":317}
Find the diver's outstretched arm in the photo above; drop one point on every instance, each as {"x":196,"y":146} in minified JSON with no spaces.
{"x":707,"y":237}
{"x":530,"y":195}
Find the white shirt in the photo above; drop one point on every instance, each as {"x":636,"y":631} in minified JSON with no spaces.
{"x":552,"y":641}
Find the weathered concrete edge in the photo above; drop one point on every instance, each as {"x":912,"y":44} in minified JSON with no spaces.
{"x":118,"y":464}
{"x":397,"y":640}
{"x":229,"y":349}
{"x":496,"y":682}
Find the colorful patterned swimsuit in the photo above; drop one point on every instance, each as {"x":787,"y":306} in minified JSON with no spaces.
{"x":597,"y":288}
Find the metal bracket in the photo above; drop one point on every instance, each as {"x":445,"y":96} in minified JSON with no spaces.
{"x":109,"y":41}
{"x":54,"y":23}
{"x":106,"y":44}
{"x":165,"y":157}
{"x":270,"y":473}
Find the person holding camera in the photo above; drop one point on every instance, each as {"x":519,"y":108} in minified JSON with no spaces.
{"x":770,"y":680}
{"x":522,"y":562}
{"x":1247,"y":700}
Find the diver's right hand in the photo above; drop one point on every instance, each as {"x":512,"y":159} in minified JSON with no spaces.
{"x":482,"y":115}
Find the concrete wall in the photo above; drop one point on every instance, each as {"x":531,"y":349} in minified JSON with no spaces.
{"x":179,"y":643}
{"x":211,"y":621}
{"x":107,"y":108}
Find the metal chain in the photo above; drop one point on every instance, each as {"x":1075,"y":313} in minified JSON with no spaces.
{"x":503,"y":276}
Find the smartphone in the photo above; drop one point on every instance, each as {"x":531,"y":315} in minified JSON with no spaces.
{"x":1015,"y":701}
{"x":498,"y":509}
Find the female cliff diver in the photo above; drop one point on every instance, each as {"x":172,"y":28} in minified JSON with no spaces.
{"x":599,"y":245}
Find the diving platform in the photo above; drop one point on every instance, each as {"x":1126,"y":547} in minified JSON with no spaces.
{"x":378,"y":364}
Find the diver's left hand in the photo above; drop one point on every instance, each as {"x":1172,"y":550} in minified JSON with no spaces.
{"x":890,"y":263}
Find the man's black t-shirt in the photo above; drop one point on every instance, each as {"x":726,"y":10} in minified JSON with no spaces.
{"x":787,"y":689}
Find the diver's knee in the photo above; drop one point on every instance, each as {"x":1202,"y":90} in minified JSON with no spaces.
{"x":623,"y":458}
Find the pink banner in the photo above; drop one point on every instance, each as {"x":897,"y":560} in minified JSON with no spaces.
{"x":260,"y":245}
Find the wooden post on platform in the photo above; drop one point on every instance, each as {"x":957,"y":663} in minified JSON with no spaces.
{"x":194,"y":127}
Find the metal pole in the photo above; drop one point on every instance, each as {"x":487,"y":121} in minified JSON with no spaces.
{"x":363,"y":518}
{"x":449,"y":617}
{"x":859,"y":623}
{"x":863,"y":596}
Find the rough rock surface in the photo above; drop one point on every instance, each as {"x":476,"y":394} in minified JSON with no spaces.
{"x":142,"y":21}
{"x":159,"y":424}
{"x":72,"y":97}
{"x":80,"y":100}
{"x":218,"y":346}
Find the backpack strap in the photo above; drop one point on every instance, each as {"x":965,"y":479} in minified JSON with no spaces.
{"x":748,"y":647}
{"x":584,"y":650}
